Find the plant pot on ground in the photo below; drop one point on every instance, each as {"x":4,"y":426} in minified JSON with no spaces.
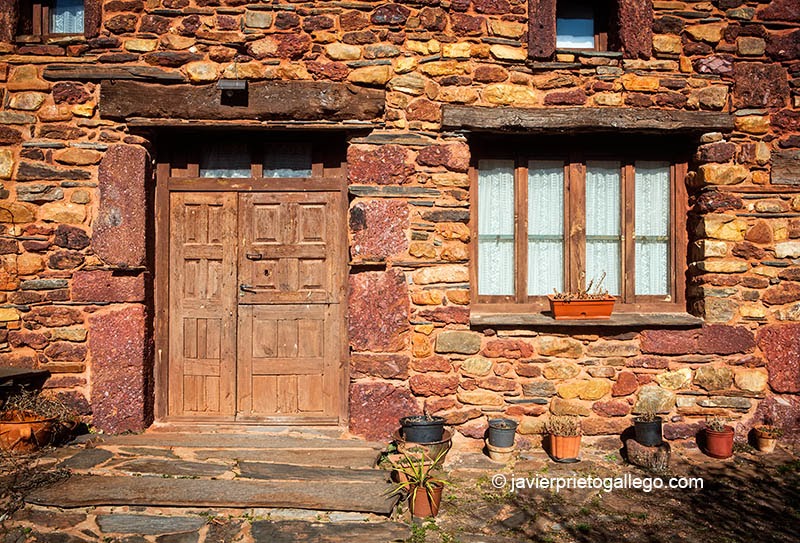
{"x":719,"y":438}
{"x":766,"y":437}
{"x":30,"y":421}
{"x":502,"y":432}
{"x":416,"y":477}
{"x":647,"y":429}
{"x":564,"y":438}
{"x":592,"y":303}
{"x":422,"y":428}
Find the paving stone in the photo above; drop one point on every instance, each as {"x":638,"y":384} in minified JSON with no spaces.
{"x":286,"y":472}
{"x":235,"y":441}
{"x":147,"y":524}
{"x":338,"y":458}
{"x":174,"y":467}
{"x":93,"y":490}
{"x":295,"y":531}
{"x":185,"y":537}
{"x":87,"y":458}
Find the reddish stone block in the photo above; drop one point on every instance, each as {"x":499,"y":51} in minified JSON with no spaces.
{"x":625,"y":384}
{"x":449,"y":315}
{"x":119,"y":230}
{"x":433,"y":18}
{"x":748,"y":251}
{"x":783,"y":412}
{"x":378,"y":311}
{"x":714,"y":200}
{"x":612,"y":408}
{"x":335,"y":71}
{"x":787,"y":120}
{"x":23,"y":338}
{"x":65,"y":260}
{"x":362,"y":37}
{"x":668,"y":341}
{"x":595,"y":426}
{"x":722,"y":339}
{"x":508,"y":348}
{"x":572,"y":97}
{"x":385,"y":366}
{"x":71,"y":237}
{"x":681,"y":430}
{"x":376,"y":408}
{"x":65,"y":351}
{"x":432,"y":363}
{"x":427,"y":384}
{"x":379,"y":229}
{"x":648,"y":362}
{"x":783,"y":293}
{"x":492,"y":7}
{"x":107,"y":286}
{"x":490,"y":74}
{"x":155,"y":24}
{"x":760,"y":85}
{"x":422,"y":109}
{"x":390,"y":14}
{"x":454,"y":157}
{"x":385,"y":165}
{"x":120,"y":370}
{"x":436,"y":405}
{"x":716,"y":152}
{"x":475,"y":430}
{"x":760,"y":233}
{"x":780,"y":343}
{"x":780,"y":10}
{"x":789,"y":274}
{"x":784,"y":46}
{"x":525,"y":410}
{"x":498,"y":384}
{"x":525,"y":369}
{"x":121,"y":24}
{"x":75,"y":401}
{"x":54,"y":316}
{"x":69,"y":92}
{"x":466,"y":25}
{"x":9,"y":136}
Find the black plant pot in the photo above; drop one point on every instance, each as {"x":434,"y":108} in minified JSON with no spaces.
{"x":422,"y":429}
{"x":648,"y":433}
{"x":501,"y":432}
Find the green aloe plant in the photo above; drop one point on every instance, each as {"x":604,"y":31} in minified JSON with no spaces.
{"x":418,"y":475}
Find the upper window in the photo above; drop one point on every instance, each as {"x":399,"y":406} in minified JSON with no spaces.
{"x":49,"y":17}
{"x":548,"y":223}
{"x":581,"y":24}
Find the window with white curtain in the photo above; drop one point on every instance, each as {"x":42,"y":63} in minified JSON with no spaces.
{"x":51,"y":17}
{"x":66,"y":17}
{"x":546,"y":224}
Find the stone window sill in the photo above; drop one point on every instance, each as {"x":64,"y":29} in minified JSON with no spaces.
{"x":617,"y":320}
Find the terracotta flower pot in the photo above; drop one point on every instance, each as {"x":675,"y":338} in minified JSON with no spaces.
{"x":424,"y":504}
{"x":582,"y":309}
{"x":719,"y":444}
{"x":565,"y":447}
{"x":24,"y":432}
{"x":765,"y":442}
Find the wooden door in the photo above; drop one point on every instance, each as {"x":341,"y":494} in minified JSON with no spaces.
{"x":289,"y":305}
{"x":202,"y":304}
{"x":255,"y":309}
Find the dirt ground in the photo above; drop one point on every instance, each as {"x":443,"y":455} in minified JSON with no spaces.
{"x":751,"y":497}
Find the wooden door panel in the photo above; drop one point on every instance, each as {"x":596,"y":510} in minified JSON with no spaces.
{"x":202,"y":304}
{"x":290,"y":249}
{"x":287,"y":356}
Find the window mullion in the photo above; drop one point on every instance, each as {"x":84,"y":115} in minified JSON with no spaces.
{"x":521,"y":230}
{"x":628,"y":233}
{"x":576,"y":227}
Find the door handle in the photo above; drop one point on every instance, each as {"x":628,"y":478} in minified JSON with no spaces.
{"x":248,"y":288}
{"x":254,"y":256}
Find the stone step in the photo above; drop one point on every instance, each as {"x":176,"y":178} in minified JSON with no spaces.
{"x":324,"y":494}
{"x":288,"y":472}
{"x":235,"y":441}
{"x":355,"y":458}
{"x":324,"y":532}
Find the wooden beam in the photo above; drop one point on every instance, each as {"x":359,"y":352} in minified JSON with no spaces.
{"x":581,"y":119}
{"x":268,"y":100}
{"x":89,"y":72}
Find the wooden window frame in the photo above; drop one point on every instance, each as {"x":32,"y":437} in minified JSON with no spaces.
{"x":34,"y":14}
{"x":602,"y":22}
{"x":575,"y":227}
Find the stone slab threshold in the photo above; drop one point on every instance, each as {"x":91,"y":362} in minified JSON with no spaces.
{"x":235,"y":441}
{"x":321,"y":494}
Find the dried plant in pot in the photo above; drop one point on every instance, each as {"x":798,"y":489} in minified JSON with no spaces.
{"x":417,"y":477}
{"x":422,"y":428}
{"x":766,"y":437}
{"x":647,"y":428}
{"x":30,"y":420}
{"x":565,"y":437}
{"x":719,"y":438}
{"x":594,"y":302}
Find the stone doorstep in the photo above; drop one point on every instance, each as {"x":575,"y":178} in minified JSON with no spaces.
{"x":200,"y":440}
{"x":321,"y":494}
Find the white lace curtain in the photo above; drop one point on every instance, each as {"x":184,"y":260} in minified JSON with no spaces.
{"x":496,"y":227}
{"x":67,"y":17}
{"x":232,"y":159}
{"x":545,"y":226}
{"x":652,"y":227}
{"x":603,"y":232}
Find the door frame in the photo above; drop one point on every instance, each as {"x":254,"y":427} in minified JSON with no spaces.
{"x":329,"y":173}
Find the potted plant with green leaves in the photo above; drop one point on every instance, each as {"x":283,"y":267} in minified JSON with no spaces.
{"x":766,"y":436}
{"x":422,"y":428}
{"x":647,"y":428}
{"x":416,"y":477}
{"x":719,"y":438}
{"x":31,"y":420}
{"x":564,"y":433}
{"x":593,"y":302}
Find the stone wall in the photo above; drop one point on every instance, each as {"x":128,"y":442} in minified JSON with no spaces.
{"x":75,"y":269}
